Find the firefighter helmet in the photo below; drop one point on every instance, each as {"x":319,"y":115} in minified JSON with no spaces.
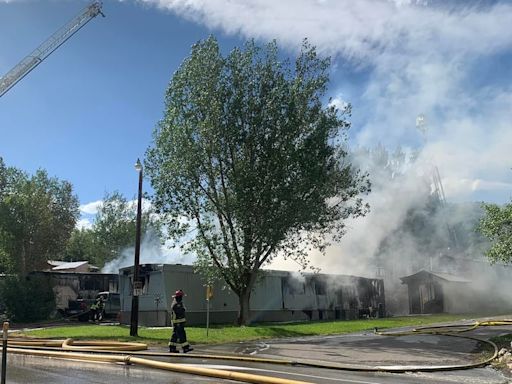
{"x":179,"y":293}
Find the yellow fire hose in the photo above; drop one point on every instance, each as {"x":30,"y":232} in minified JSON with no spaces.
{"x":452,"y":331}
{"x":70,"y":344}
{"x":127,"y":359}
{"x":108,"y":352}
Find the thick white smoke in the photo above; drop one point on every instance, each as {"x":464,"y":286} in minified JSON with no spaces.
{"x":151,"y":252}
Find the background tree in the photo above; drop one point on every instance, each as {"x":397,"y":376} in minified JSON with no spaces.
{"x":496,"y":226}
{"x":249,"y":158}
{"x":5,"y":261}
{"x":113,"y":230}
{"x":83,"y":246}
{"x":37,"y":215}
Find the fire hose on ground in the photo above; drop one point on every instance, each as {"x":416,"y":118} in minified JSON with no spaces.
{"x":108,"y":351}
{"x":181,"y":368}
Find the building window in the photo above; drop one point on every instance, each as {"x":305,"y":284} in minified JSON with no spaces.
{"x":320,"y":287}
{"x":294,"y":286}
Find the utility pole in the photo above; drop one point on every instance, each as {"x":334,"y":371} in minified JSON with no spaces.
{"x":134,"y":323}
{"x":4,"y":350}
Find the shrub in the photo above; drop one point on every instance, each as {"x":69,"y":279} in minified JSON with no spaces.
{"x":27,"y":299}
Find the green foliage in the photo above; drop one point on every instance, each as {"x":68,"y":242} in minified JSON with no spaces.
{"x":114,"y":225}
{"x":503,"y":341}
{"x":496,"y":226}
{"x":113,"y":230}
{"x":248,"y":162}
{"x":37,"y":216}
{"x":82,"y":246}
{"x":27,"y":299}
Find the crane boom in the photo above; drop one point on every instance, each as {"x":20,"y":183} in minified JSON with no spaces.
{"x":23,"y":68}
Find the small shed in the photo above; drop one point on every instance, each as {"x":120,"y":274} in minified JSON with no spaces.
{"x":437,"y":292}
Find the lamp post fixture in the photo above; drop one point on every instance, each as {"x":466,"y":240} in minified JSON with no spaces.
{"x":134,"y":323}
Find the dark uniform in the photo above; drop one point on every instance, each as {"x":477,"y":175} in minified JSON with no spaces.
{"x":179,"y":336}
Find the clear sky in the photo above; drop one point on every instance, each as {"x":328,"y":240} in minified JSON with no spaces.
{"x":87,"y":113}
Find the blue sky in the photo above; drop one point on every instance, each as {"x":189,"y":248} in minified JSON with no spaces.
{"x":88,"y":111}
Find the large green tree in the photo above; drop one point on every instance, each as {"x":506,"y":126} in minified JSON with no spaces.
{"x":249,"y":161}
{"x":37,"y":215}
{"x":496,"y":225}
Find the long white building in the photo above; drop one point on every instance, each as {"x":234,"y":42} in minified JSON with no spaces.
{"x":277,"y":296}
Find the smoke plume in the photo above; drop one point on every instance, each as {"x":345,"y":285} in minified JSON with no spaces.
{"x":151,"y":252}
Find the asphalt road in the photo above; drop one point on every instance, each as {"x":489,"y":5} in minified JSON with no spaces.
{"x":29,"y":369}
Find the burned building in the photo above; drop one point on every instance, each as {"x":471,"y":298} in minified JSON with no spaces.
{"x":436,"y":292}
{"x":464,"y":286}
{"x":277,"y":296}
{"x":68,"y":286}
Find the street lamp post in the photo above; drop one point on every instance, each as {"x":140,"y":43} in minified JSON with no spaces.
{"x":134,"y":323}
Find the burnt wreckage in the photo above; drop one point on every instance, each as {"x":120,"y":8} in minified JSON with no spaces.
{"x":73,"y":288}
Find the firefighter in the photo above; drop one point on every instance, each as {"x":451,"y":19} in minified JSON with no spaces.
{"x":179,"y":336}
{"x":97,"y":308}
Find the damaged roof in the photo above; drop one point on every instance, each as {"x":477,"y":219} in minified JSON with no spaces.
{"x":70,"y":265}
{"x":440,"y":275}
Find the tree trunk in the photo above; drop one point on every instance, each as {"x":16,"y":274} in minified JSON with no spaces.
{"x":243,"y":314}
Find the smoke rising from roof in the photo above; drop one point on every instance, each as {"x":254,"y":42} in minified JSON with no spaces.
{"x":409,"y":229}
{"x":151,"y":252}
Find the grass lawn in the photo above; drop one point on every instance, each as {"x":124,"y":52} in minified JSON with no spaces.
{"x":503,"y":341}
{"x":229,"y":333}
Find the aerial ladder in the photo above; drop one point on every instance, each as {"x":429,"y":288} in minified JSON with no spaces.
{"x":435,"y":177}
{"x":23,"y":68}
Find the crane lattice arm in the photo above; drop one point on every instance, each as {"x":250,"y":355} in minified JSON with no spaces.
{"x":51,"y":44}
